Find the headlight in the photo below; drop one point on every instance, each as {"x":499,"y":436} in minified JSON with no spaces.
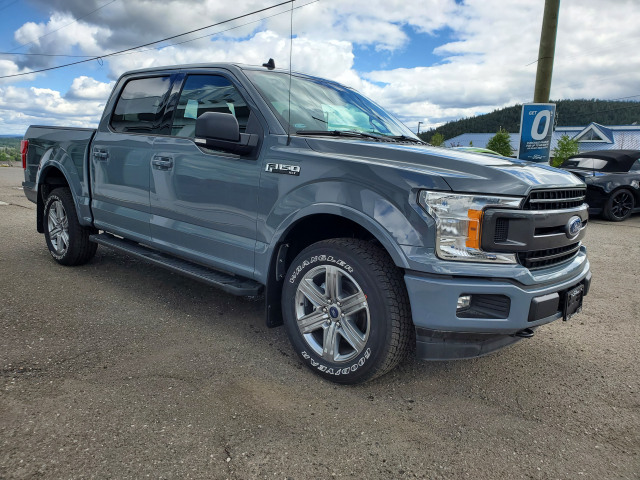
{"x":459,"y":224}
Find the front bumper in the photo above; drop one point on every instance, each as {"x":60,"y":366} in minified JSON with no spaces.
{"x":442,"y":334}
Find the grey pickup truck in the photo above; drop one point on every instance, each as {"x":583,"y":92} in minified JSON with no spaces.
{"x":365,"y":241}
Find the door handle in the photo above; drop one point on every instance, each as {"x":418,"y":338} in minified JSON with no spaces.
{"x":162,"y":163}
{"x":100,"y":155}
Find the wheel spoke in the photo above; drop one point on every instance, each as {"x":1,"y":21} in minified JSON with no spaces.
{"x":312,"y":321}
{"x":332,"y":282}
{"x":64,"y":237}
{"x":53,"y":219}
{"x":311,"y":291}
{"x":330,"y":342}
{"x":354,"y":303}
{"x":352,"y":335}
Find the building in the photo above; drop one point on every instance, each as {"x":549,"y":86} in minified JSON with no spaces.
{"x":592,"y":137}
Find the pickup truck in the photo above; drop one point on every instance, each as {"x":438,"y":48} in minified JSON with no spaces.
{"x":366,"y":242}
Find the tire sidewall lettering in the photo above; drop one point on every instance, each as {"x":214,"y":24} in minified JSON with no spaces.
{"x":319,"y":258}
{"x":327,"y":370}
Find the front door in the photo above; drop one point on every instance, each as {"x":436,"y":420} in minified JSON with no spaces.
{"x":204,"y":202}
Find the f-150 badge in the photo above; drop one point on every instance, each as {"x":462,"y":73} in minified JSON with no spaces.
{"x":282,"y":168}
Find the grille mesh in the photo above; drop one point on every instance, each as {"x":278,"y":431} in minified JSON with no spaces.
{"x":555,"y":199}
{"x":551,"y":256}
{"x":502,"y":230}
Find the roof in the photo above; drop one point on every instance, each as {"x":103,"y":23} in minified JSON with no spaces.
{"x":617,"y":160}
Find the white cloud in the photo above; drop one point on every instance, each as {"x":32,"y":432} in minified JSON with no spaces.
{"x":87,"y":88}
{"x":20,"y":107}
{"x":486,"y":65}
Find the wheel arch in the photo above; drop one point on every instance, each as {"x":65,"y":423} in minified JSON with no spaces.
{"x":49,"y":178}
{"x":314,"y":225}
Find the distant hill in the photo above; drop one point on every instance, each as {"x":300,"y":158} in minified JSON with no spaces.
{"x":569,"y":113}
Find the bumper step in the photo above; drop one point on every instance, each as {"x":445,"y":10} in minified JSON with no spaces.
{"x":224,"y":281}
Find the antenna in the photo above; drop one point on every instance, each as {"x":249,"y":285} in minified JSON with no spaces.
{"x":290,"y":76}
{"x":270,"y":64}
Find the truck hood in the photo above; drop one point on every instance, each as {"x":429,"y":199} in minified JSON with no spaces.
{"x":463,"y":171}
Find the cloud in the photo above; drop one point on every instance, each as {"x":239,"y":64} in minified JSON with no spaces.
{"x":487,"y":61}
{"x":87,"y":88}
{"x":81,"y":107}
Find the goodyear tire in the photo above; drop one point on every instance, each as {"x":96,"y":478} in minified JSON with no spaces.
{"x":346,"y":310}
{"x":67,"y":240}
{"x":619,"y":206}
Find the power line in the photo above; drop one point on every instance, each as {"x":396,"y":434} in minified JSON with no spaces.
{"x":8,"y":5}
{"x":64,"y":26}
{"x":44,"y":55}
{"x":150,"y":43}
{"x":168,"y":45}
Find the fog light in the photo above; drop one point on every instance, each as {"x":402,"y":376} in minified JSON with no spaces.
{"x":464,"y":301}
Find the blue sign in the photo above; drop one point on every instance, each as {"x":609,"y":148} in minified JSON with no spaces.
{"x":536,"y":129}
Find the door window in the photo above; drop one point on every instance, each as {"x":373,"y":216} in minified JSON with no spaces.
{"x":140,"y":106}
{"x":207,"y":93}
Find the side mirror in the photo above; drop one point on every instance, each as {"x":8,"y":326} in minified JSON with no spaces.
{"x":221,"y":131}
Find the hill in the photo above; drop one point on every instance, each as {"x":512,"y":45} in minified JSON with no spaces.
{"x":568,"y":112}
{"x":9,"y":149}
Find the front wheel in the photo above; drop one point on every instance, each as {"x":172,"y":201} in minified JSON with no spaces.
{"x":68,"y":241}
{"x":346,"y":310}
{"x":619,"y":206}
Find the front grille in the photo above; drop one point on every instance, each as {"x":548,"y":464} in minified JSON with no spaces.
{"x":501,"y":232}
{"x":551,"y":256}
{"x":555,"y":199}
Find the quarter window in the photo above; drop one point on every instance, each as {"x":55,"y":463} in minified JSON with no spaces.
{"x":140,"y":106}
{"x":207,"y":93}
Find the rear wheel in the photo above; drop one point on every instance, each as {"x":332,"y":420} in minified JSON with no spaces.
{"x":619,"y":206}
{"x":346,"y":310}
{"x":68,"y":241}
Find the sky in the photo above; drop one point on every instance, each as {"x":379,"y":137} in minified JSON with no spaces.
{"x":428,"y":61}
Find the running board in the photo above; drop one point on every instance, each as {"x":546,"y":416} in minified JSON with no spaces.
{"x":224,"y":281}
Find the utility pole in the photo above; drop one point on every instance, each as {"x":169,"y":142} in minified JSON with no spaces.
{"x":546,"y":51}
{"x":419,"y":123}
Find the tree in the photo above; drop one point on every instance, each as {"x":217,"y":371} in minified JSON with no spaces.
{"x":565,"y":148}
{"x":437,"y":139}
{"x":501,"y":143}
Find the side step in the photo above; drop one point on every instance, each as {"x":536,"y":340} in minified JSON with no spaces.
{"x":225,"y":281}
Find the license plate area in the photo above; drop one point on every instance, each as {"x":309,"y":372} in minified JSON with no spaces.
{"x":572,"y":302}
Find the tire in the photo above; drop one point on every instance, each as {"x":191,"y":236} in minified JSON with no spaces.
{"x":68,"y":241}
{"x":619,"y":206}
{"x":346,"y":310}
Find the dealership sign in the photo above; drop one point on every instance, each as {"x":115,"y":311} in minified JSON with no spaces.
{"x":536,"y":128}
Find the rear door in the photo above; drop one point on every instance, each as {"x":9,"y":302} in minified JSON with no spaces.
{"x":204,"y":202}
{"x":121,"y":154}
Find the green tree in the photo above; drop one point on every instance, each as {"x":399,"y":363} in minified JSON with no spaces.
{"x":437,"y":139}
{"x":501,"y":143}
{"x":565,"y":148}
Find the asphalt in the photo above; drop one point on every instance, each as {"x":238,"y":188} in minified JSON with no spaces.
{"x":118,"y":369}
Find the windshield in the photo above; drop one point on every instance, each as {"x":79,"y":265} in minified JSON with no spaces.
{"x":319,"y":106}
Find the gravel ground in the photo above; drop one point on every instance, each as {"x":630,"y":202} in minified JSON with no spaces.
{"x":118,"y":369}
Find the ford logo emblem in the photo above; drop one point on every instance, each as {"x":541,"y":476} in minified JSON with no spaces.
{"x":573,"y":226}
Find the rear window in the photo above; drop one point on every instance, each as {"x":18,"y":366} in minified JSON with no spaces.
{"x":140,"y":106}
{"x":586,"y":163}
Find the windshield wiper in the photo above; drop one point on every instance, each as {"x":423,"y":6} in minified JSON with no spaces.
{"x":403,"y":138}
{"x":342,"y":133}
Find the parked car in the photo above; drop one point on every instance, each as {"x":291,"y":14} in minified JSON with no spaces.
{"x":366,"y":241}
{"x":613,"y":181}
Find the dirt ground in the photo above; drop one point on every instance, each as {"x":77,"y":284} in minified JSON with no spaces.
{"x":119,"y":369}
